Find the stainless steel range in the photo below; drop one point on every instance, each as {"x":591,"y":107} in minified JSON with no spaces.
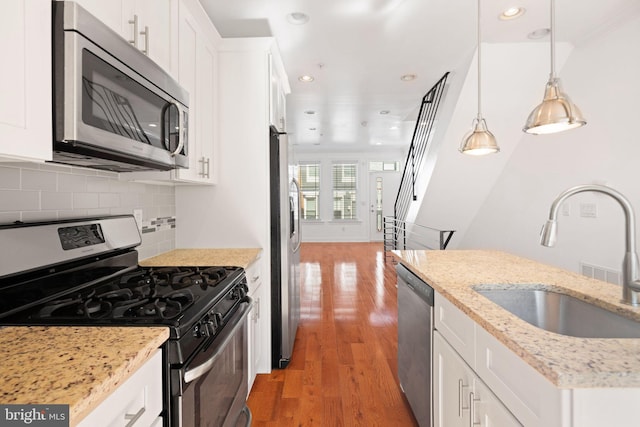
{"x":85,"y":272}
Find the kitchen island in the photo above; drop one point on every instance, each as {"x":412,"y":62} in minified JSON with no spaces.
{"x":77,"y":366}
{"x":588,"y":370}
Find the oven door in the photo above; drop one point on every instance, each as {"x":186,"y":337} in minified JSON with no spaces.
{"x":213,"y":386}
{"x":106,"y":111}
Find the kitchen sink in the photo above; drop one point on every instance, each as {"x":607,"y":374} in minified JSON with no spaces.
{"x":562,"y":313}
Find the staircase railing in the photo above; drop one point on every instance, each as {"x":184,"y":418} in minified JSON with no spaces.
{"x":402,"y":235}
{"x":421,"y":135}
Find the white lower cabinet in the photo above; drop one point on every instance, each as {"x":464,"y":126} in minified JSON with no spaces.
{"x":478,"y":381}
{"x":256,"y":321}
{"x":137,"y":402}
{"x":460,"y":397}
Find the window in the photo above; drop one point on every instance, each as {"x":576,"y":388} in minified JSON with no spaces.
{"x":345,"y":178}
{"x":309,"y":179}
{"x":381,"y":166}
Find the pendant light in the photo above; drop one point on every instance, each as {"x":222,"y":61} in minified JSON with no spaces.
{"x":479,"y":141}
{"x":556,"y":113}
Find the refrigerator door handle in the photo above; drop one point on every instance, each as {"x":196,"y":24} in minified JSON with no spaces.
{"x":296,"y":219}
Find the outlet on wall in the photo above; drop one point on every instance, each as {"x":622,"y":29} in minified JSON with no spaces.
{"x":588,"y":210}
{"x":137,"y":214}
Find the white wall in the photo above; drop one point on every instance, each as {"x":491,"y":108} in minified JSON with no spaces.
{"x":513,"y":78}
{"x":602,"y":76}
{"x":326,"y":229}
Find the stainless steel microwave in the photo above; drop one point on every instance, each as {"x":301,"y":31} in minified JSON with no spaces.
{"x":114,"y":108}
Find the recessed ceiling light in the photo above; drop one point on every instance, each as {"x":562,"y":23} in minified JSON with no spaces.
{"x":383,"y":112}
{"x":512,"y":13}
{"x":297,"y":18}
{"x":538,"y":34}
{"x":306,"y":79}
{"x":153,"y":125}
{"x":378,"y":143}
{"x":310,"y":112}
{"x":408,"y":77}
{"x":394,"y":127}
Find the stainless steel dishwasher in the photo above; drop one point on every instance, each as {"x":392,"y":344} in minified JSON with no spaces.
{"x":415,"y":343}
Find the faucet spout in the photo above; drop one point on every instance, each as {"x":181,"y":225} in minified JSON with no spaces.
{"x":630,"y":267}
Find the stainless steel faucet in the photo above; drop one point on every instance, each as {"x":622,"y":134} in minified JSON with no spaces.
{"x":630,"y":282}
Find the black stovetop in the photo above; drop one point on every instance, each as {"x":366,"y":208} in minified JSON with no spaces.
{"x":108,"y":292}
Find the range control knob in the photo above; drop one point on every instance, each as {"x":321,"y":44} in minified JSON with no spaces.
{"x":200,"y":330}
{"x":218,"y":319}
{"x":211,"y":326}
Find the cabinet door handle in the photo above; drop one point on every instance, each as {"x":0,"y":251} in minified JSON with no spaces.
{"x":145,"y":33}
{"x":205,"y":167}
{"x":134,"y":22}
{"x":133,"y":418}
{"x":461,"y":406}
{"x":472,"y":412}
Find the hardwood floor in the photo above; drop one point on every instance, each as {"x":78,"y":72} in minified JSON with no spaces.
{"x":343,"y":371}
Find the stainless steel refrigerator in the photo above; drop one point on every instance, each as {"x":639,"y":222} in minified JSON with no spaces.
{"x":285,"y":251}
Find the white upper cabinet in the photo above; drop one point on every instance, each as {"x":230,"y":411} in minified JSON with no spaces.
{"x":197,"y":74}
{"x":25,"y":83}
{"x":146,"y":24}
{"x":194,"y":60}
{"x":278,"y":89}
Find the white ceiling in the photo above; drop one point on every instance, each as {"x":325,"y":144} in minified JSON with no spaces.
{"x":357,"y":50}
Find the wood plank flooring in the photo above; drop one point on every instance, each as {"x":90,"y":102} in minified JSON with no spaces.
{"x":343,"y":371}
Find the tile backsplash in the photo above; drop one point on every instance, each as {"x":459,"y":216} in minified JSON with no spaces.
{"x":40,"y":192}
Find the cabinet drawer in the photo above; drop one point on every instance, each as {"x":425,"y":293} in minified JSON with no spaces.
{"x":139,"y":398}
{"x":254,"y":276}
{"x":529,"y":396}
{"x":456,"y":327}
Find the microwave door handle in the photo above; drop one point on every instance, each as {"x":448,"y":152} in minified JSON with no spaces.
{"x":180,"y":131}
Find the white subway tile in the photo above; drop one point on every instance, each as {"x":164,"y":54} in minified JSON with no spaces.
{"x":96,"y":184}
{"x":56,"y":201}
{"x":72,"y":183}
{"x":38,"y":180}
{"x":109,"y":200}
{"x":86,"y":201}
{"x":15,"y":200}
{"x":9,"y":178}
{"x":37,"y":216}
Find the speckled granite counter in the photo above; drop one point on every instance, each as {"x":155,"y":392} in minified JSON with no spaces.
{"x":237,"y":257}
{"x":78,"y":366}
{"x":567,"y":362}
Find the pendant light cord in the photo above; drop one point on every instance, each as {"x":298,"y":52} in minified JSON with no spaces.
{"x":552,"y":36}
{"x":479,"y":75}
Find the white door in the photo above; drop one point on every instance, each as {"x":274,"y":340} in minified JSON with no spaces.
{"x":383,"y":188}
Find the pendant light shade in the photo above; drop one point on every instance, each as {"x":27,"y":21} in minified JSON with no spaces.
{"x":479,"y":141}
{"x":556,"y":113}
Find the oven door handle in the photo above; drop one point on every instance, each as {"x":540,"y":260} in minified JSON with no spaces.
{"x":238,"y":321}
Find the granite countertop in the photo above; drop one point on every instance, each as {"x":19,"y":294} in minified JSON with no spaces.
{"x":78,"y":366}
{"x":235,"y":257}
{"x":568,"y":362}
